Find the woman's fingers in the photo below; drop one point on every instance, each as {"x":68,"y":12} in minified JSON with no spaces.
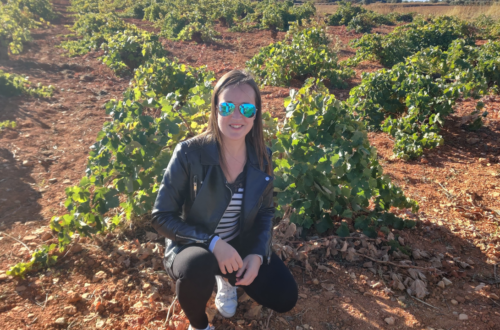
{"x":235,"y":262}
{"x":222,"y":268}
{"x":229,"y":267}
{"x":247,"y":279}
{"x":235,"y":265}
{"x":228,"y":258}
{"x":242,"y":269}
{"x":238,"y":260}
{"x":252,"y":266}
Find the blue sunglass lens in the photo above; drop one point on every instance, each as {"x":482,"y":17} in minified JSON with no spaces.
{"x":248,"y":110}
{"x":225,"y":109}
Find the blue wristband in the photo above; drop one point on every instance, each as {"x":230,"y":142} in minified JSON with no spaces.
{"x":212,"y":243}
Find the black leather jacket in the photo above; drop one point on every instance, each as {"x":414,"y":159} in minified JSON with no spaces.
{"x":193,"y":197}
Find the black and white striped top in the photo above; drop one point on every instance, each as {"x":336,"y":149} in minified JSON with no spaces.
{"x":228,"y":228}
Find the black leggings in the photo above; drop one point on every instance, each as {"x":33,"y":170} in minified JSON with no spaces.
{"x":194,"y":269}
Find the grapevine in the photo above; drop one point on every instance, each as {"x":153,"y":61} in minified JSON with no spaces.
{"x":40,"y":8}
{"x":127,"y":50}
{"x":275,"y":15}
{"x":488,"y":27}
{"x":43,"y":257}
{"x":15,"y":23}
{"x":133,"y":149}
{"x":126,"y":46}
{"x":411,"y":100}
{"x":326,"y":168}
{"x":95,"y":29}
{"x":7,"y":124}
{"x":304,"y":53}
{"x":195,"y":20}
{"x":362,"y":20}
{"x":13,"y":85}
{"x":408,"y":39}
{"x":96,"y":6}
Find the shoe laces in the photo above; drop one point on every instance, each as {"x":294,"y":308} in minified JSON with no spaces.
{"x":226,"y":289}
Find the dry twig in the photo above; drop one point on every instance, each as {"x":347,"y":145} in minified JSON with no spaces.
{"x":268,"y":319}
{"x":45,"y":303}
{"x":423,"y":302}
{"x":448,"y":194}
{"x":334,"y":236}
{"x":15,"y":239}
{"x":69,"y":248}
{"x":69,"y":326}
{"x":301,"y":314}
{"x":169,"y":308}
{"x":427,"y":269}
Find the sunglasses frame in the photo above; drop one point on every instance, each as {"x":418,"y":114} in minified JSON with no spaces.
{"x":239,"y":107}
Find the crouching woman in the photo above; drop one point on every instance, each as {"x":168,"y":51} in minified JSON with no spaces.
{"x":215,"y":208}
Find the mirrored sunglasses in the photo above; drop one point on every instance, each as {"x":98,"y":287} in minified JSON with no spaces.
{"x":246,"y":109}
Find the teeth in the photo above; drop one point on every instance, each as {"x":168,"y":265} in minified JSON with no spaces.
{"x":236,"y":126}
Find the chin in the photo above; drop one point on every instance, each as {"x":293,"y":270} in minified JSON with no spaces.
{"x":235,"y":136}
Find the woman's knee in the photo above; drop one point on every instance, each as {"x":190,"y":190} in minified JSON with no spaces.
{"x":196,"y":266}
{"x":285,"y":289}
{"x":288,"y":299}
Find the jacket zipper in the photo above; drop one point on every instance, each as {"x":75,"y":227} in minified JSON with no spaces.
{"x":192,"y":238}
{"x":195,"y":185}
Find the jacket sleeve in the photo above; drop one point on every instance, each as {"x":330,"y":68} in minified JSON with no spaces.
{"x":262,"y":231}
{"x":167,"y":209}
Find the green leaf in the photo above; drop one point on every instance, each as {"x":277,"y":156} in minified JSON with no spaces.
{"x":346,"y":214}
{"x":324,"y":224}
{"x":343,"y":230}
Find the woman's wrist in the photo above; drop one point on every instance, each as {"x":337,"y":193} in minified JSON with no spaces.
{"x":214,"y":240}
{"x":260,"y":257}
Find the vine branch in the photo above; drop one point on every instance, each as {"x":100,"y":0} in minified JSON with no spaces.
{"x":186,"y":123}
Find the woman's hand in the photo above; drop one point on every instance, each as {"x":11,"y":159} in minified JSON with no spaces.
{"x":227,"y":257}
{"x":251,"y":266}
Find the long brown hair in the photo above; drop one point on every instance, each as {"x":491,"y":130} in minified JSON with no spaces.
{"x":256,"y":136}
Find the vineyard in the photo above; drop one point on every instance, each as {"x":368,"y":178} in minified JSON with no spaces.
{"x":385,"y":132}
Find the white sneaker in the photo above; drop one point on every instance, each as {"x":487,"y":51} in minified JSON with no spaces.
{"x":226,"y":299}
{"x":209,"y":327}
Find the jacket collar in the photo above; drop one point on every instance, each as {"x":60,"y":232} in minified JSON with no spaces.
{"x":210,"y":153}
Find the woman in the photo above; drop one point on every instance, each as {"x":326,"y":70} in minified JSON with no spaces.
{"x":215,"y":208}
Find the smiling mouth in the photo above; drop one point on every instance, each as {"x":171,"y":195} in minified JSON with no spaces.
{"x":236,"y":126}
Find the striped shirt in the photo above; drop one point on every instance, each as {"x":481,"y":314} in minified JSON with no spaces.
{"x":228,"y":227}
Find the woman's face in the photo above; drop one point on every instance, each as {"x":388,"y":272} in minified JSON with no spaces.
{"x":236,"y":126}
